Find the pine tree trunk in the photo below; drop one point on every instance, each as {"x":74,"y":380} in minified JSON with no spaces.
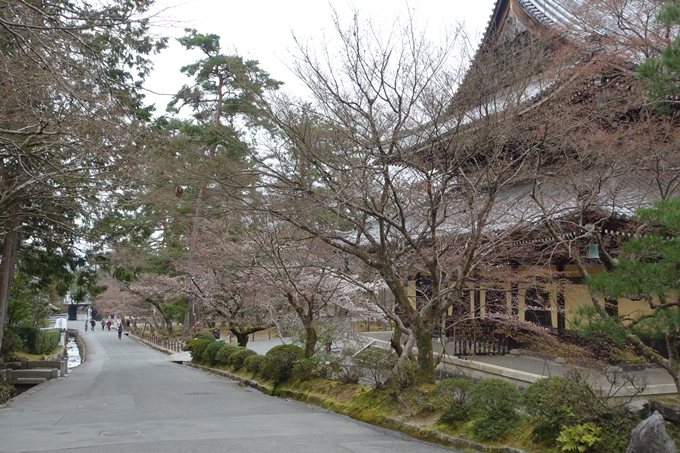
{"x":7,"y":262}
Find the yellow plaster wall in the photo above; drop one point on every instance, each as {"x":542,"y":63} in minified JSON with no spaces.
{"x":633,"y":308}
{"x":576,"y":296}
{"x":482,"y":296}
{"x":411,"y":292}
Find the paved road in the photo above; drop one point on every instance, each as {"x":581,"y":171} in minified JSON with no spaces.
{"x":128,"y":397}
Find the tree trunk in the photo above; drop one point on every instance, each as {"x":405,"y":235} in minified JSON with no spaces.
{"x":241,"y":337}
{"x":311,"y":340}
{"x":426,"y":363}
{"x":7,"y":262}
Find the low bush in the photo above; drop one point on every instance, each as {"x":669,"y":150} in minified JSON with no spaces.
{"x":197,"y":347}
{"x":493,"y":426}
{"x":11,"y":342}
{"x":36,"y":341}
{"x":453,"y":396}
{"x":497,"y":400}
{"x":557,"y":401}
{"x":304,"y":369}
{"x":222,"y":356}
{"x":208,"y":356}
{"x":252,"y":363}
{"x":203,"y":336}
{"x":579,"y":438}
{"x":237,"y":358}
{"x":375,"y":365}
{"x":278,"y":362}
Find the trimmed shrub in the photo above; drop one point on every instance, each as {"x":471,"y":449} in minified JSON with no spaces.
{"x":493,"y":426}
{"x":453,"y":395}
{"x":222,"y":356}
{"x":555,"y":401}
{"x":375,"y":365}
{"x":11,"y":342}
{"x":208,"y":356}
{"x":38,"y":341}
{"x":252,"y":363}
{"x":278,"y":362}
{"x":565,"y":405}
{"x":497,"y":400}
{"x":304,"y":369}
{"x":189,"y":346}
{"x":237,"y":358}
{"x":203,"y":336}
{"x":197,"y":347}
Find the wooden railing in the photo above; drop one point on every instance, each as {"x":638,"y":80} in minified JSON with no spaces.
{"x":165,"y":343}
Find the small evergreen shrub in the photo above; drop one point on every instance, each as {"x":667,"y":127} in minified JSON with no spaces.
{"x":453,"y":395}
{"x":237,"y":358}
{"x":208,"y":356}
{"x":557,"y":401}
{"x":304,"y":369}
{"x":11,"y":342}
{"x":203,"y":336}
{"x":278,"y":362}
{"x":197,"y":347}
{"x":252,"y":363}
{"x":493,"y":426}
{"x":38,"y":341}
{"x":222,"y":356}
{"x":497,"y":400}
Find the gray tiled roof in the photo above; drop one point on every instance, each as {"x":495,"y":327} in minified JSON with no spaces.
{"x":547,"y":12}
{"x":550,"y":11}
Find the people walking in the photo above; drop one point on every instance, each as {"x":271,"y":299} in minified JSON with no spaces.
{"x":108,"y":325}
{"x":103,"y":325}
{"x":92,"y":324}
{"x":120,"y":330}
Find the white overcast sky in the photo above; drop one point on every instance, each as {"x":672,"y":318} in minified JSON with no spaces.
{"x":262,"y":30}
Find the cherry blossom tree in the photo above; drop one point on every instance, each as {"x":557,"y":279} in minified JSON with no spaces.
{"x":390,"y":166}
{"x":312,"y":279}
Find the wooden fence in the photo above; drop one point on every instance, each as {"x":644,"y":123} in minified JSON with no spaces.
{"x":165,"y":343}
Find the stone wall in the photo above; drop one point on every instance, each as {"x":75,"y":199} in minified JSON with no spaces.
{"x":6,"y":392}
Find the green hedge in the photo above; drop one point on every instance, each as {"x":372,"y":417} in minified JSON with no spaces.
{"x":197,"y":347}
{"x":252,"y":363}
{"x":208,"y":356}
{"x":38,"y":341}
{"x":222,"y":356}
{"x":237,"y":359}
{"x":278,"y":362}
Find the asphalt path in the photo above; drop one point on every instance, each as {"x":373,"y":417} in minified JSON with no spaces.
{"x":128,"y":397}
